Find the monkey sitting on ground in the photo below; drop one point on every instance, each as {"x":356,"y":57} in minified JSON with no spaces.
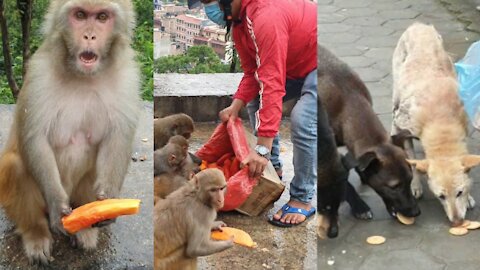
{"x":169,"y":159}
{"x":173,"y":167}
{"x":166,"y":127}
{"x":192,"y":163}
{"x":76,"y":116}
{"x":184,"y":220}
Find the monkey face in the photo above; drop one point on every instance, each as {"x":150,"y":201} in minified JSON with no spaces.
{"x":217,"y":195}
{"x":90,"y":32}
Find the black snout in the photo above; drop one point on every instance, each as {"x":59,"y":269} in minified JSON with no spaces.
{"x":401,"y":202}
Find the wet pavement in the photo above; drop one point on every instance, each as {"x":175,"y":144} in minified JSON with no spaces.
{"x":126,"y":244}
{"x":278,"y":248}
{"x":364,"y":34}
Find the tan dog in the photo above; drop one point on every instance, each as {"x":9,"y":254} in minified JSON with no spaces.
{"x":425,"y":101}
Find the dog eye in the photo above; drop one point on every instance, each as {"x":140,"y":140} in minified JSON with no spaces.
{"x":441,"y":197}
{"x":459,"y":193}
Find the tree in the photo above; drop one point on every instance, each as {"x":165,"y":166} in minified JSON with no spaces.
{"x":197,"y":59}
{"x":18,"y":43}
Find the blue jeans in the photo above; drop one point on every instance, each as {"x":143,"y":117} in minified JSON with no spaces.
{"x":303,"y":127}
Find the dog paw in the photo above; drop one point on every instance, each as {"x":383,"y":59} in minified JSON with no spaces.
{"x":364,"y":215}
{"x":471,"y":202}
{"x":417,"y":188}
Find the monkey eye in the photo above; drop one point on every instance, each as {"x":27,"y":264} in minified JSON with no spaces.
{"x":441,"y":197}
{"x":102,"y":17}
{"x":80,"y":15}
{"x":459,"y":193}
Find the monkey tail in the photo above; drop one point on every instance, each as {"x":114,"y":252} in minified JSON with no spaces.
{"x":11,"y":168}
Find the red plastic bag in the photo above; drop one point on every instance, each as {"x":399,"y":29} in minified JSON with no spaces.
{"x":230,"y":138}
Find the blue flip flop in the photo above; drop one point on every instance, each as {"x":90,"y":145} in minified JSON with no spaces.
{"x":287,"y":209}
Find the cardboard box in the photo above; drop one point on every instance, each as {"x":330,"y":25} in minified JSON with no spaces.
{"x":266,"y":192}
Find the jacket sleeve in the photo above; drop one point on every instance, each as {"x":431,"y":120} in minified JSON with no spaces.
{"x":270,"y":38}
{"x":248,"y":88}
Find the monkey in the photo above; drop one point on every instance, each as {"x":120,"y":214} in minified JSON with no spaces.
{"x":167,"y":183}
{"x":173,"y":166}
{"x":169,"y":159}
{"x":192,"y":163}
{"x":166,"y":127}
{"x":183,"y":222}
{"x":72,"y":135}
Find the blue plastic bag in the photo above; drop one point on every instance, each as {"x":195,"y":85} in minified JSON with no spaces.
{"x":468,"y":75}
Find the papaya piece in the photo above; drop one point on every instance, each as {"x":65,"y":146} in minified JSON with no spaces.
{"x":226,"y":169}
{"x":222,"y":159}
{"x":212,"y":165}
{"x":204,"y":164}
{"x":240,"y":237}
{"x":235,"y":166}
{"x":86,"y":215}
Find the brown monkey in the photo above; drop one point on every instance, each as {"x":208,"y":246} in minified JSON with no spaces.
{"x":167,"y":183}
{"x":173,"y":166}
{"x":76,"y":115}
{"x":184,"y":220}
{"x":169,"y":159}
{"x":166,"y":127}
{"x":192,"y":163}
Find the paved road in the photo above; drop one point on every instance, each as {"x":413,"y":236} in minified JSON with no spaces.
{"x":364,"y":34}
{"x":126,"y":244}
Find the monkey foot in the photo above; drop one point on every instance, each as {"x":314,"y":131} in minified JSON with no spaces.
{"x":292,"y":214}
{"x":87,"y":238}
{"x":38,"y":250}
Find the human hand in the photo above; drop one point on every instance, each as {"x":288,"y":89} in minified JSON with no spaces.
{"x":256,"y":164}
{"x":226,"y":113}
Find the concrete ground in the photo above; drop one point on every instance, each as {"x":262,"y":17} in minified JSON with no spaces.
{"x":126,"y":244}
{"x":278,"y":248}
{"x":364,"y":34}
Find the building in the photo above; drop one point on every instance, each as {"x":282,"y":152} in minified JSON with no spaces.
{"x":188,"y":26}
{"x":214,"y":37}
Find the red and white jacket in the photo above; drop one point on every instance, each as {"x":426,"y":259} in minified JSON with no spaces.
{"x":276,"y":39}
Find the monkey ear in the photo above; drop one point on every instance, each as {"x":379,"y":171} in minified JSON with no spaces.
{"x":171,"y":158}
{"x":195,"y":182}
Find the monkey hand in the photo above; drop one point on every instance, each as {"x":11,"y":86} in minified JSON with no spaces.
{"x":256,"y":164}
{"x":101,"y":195}
{"x":55,"y":214}
{"x":104,"y":223}
{"x":217,"y":225}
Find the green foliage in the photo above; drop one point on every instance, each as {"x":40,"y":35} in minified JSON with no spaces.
{"x":142,"y":43}
{"x":197,"y":59}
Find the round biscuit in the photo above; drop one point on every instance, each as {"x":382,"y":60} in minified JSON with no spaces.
{"x":405,"y":220}
{"x":376,"y":240}
{"x":458,"y":231}
{"x":473,"y":225}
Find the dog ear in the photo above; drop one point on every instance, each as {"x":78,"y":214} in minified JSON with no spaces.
{"x":349,"y":161}
{"x":367,"y":160}
{"x":469,"y":161}
{"x":420,"y":165}
{"x":399,"y":138}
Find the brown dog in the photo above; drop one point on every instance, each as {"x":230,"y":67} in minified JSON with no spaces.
{"x":425,"y":101}
{"x":379,"y":159}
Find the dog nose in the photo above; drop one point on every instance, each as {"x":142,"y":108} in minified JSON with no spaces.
{"x":457,"y":222}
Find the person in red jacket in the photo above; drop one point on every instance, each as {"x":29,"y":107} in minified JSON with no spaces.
{"x":277,"y":44}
